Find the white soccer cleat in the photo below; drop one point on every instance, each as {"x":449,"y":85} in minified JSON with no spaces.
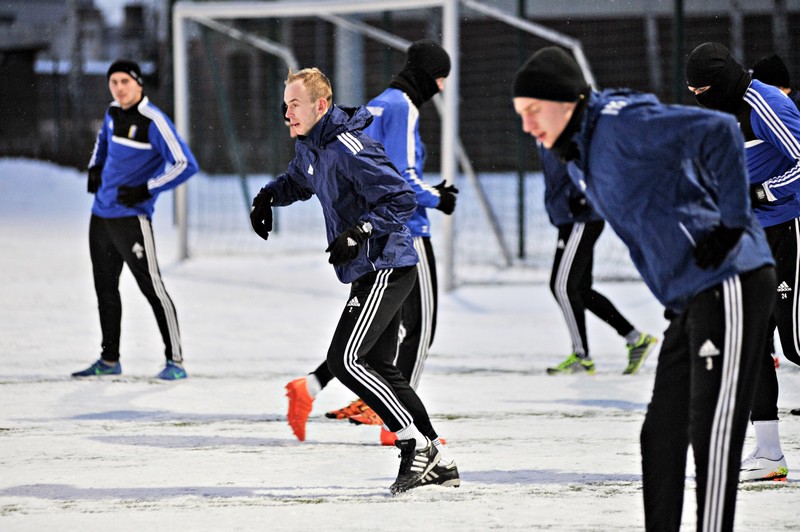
{"x":759,"y":468}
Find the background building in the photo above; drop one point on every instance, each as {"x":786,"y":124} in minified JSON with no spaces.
{"x":55,"y":53}
{"x":53,"y":91}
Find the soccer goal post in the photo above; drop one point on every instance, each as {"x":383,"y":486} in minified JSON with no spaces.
{"x":184,"y":11}
{"x":238,"y":51}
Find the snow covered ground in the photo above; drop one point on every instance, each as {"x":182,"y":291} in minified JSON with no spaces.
{"x":214,"y":452}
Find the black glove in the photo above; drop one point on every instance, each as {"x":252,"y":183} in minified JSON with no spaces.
{"x":758,"y":195}
{"x":347,"y":245}
{"x":578,"y":205}
{"x":261,"y":213}
{"x":712,"y":250}
{"x":447,"y":197}
{"x":95,"y":178}
{"x":130,"y":196}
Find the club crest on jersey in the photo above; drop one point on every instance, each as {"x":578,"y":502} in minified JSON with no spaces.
{"x":310,"y":170}
{"x":132,"y":132}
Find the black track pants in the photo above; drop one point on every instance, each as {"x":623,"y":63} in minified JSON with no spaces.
{"x":362,"y":351}
{"x":571,"y":283}
{"x":418,"y":316}
{"x":417,"y":320}
{"x":783,"y":241}
{"x":706,"y":375}
{"x":112,"y":243}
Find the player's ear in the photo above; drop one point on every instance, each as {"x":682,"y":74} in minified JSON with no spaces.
{"x":322,"y":106}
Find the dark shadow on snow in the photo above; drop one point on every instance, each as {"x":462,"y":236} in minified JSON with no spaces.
{"x":544,"y":476}
{"x":176,"y":418}
{"x":303,"y":493}
{"x":278,"y":493}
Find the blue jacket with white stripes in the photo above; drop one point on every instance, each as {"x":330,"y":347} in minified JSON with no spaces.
{"x":562,"y":198}
{"x":354,"y":182}
{"x":138,"y":146}
{"x":396,"y":126}
{"x":771,"y":129}
{"x":664,"y":176}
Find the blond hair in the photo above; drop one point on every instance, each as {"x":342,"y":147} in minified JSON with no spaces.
{"x":315,"y":81}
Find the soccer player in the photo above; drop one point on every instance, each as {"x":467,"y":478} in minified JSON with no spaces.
{"x":579,"y":227}
{"x":672,"y":183}
{"x":773,"y":71}
{"x":770,"y":124}
{"x":365,"y":203}
{"x":137,"y":155}
{"x":396,"y":126}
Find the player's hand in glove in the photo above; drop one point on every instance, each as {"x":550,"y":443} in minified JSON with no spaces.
{"x":578,"y":205}
{"x":130,"y":196}
{"x":447,"y":197}
{"x":712,"y":250}
{"x":347,"y":245}
{"x":758,"y":195}
{"x":95,"y":178}
{"x":261,"y":213}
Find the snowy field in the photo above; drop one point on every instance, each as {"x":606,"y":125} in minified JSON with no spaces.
{"x":214,"y":452}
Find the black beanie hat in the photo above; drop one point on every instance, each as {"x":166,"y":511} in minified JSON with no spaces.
{"x":429,"y":57}
{"x":550,"y":74}
{"x":772,"y":71}
{"x":706,"y":63}
{"x":128,"y":67}
{"x":712,"y":65}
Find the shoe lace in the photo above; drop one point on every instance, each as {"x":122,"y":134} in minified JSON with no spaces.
{"x":571,"y":359}
{"x":405,"y":464}
{"x":642,"y":342}
{"x":406,"y":460}
{"x":353,"y":408}
{"x":751,"y":456}
{"x":369,"y":414}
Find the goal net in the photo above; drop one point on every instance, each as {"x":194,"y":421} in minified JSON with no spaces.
{"x":230,"y":60}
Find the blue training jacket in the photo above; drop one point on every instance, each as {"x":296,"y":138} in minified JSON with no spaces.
{"x":560,"y":192}
{"x":396,"y":126}
{"x":772,"y":145}
{"x":354,"y":182}
{"x":137,"y":146}
{"x":663,"y":176}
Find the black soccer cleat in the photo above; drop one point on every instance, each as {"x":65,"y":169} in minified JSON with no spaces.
{"x":414,"y":464}
{"x":442,"y":475}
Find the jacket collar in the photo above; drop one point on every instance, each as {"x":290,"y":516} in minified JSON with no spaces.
{"x":335,"y":122}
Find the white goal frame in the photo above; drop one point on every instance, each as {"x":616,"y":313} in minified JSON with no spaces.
{"x":185,"y":11}
{"x":452,"y":152}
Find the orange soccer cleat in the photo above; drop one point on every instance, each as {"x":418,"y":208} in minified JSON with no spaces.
{"x":388,"y":437}
{"x":353,"y":409}
{"x":300,"y":403}
{"x":366,"y":417}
